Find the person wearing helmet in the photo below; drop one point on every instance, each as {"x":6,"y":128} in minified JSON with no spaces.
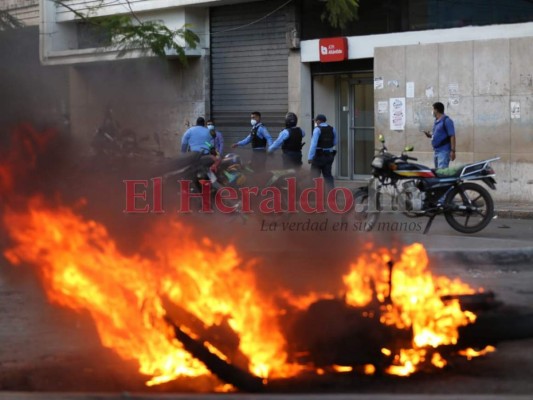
{"x":322,"y":150}
{"x":260,"y":139}
{"x":290,"y":141}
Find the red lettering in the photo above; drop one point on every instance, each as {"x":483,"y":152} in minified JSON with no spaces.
{"x":131,"y":195}
{"x":318,"y":192}
{"x":291,"y":195}
{"x":157,"y":195}
{"x":220,"y":197}
{"x":332,"y":200}
{"x":271,"y":204}
{"x":245,"y":198}
{"x":186,"y":195}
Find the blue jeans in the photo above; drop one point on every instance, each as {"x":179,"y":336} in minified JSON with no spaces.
{"x":442,"y":158}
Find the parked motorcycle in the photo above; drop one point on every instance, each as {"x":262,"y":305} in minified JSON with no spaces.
{"x":419,"y":191}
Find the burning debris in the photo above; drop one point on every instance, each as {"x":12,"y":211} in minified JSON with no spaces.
{"x":181,"y":306}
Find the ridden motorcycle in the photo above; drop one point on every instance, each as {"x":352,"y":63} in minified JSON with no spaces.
{"x":420,"y":191}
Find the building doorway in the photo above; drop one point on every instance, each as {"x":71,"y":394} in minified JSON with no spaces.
{"x":356,"y":128}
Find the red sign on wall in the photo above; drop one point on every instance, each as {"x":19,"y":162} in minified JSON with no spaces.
{"x":333,"y":49}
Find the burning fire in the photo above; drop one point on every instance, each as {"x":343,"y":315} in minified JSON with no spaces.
{"x":210,"y":294}
{"x":82,"y":268}
{"x":410,"y":298}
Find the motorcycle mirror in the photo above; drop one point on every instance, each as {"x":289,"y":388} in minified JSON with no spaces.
{"x":408,"y":148}
{"x":381,"y":138}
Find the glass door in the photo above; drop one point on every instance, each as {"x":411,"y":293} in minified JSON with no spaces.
{"x":362,"y":125}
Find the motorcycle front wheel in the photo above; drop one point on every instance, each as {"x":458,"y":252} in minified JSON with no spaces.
{"x":469,"y":208}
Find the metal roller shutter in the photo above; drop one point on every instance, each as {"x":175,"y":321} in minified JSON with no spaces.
{"x":249,"y":67}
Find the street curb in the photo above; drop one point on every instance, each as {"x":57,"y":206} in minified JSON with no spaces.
{"x":502,"y":257}
{"x":514,"y":214}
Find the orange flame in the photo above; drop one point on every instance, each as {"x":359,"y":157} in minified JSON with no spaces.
{"x":471,"y":353}
{"x":82,"y":268}
{"x":414,"y":302}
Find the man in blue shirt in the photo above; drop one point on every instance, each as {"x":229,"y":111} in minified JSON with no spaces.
{"x":290,"y":140}
{"x":260,"y":139}
{"x":322,"y":151}
{"x":218,"y":139}
{"x":442,"y":138}
{"x":197,"y":138}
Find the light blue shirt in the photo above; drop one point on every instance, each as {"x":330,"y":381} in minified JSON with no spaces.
{"x":284,"y":135}
{"x":262,"y":132}
{"x":218,"y":141}
{"x":314,"y":141}
{"x":197,"y":138}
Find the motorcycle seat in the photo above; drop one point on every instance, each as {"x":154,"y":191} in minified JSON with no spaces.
{"x":449,"y":172}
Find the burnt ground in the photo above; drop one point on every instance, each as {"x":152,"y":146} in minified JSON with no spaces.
{"x":47,"y":348}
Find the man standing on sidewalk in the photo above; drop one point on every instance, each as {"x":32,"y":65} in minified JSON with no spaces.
{"x":442,"y":137}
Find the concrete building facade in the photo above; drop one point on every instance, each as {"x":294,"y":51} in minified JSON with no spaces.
{"x":477,"y":61}
{"x":481,"y":74}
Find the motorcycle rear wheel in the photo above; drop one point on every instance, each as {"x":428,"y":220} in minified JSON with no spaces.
{"x":466,"y":204}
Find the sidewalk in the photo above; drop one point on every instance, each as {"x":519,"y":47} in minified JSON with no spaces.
{"x":513,"y":210}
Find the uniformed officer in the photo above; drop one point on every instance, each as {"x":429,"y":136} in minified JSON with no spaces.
{"x":290,"y":141}
{"x":322,"y":151}
{"x":197,"y":138}
{"x":260,"y":139}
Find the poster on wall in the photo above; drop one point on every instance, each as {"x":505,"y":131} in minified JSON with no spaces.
{"x":397,"y":113}
{"x":515,"y":110}
{"x":410,"y":90}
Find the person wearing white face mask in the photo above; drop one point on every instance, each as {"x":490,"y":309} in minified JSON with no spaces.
{"x":218,"y":139}
{"x":260,"y":139}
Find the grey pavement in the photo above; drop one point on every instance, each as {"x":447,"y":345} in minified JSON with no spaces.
{"x":123,"y":396}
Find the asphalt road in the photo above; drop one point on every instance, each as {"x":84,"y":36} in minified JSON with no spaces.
{"x":48,"y":349}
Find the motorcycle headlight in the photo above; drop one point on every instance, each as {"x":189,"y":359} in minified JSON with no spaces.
{"x":377,"y":162}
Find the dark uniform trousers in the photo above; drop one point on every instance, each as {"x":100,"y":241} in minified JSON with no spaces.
{"x":291,"y":159}
{"x":321,"y":164}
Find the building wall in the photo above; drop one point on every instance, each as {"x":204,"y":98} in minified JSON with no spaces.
{"x":476,"y":81}
{"x":146,"y":95}
{"x":29,"y":91}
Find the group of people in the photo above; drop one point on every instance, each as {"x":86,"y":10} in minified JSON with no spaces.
{"x":204,"y":138}
{"x":321,"y":152}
